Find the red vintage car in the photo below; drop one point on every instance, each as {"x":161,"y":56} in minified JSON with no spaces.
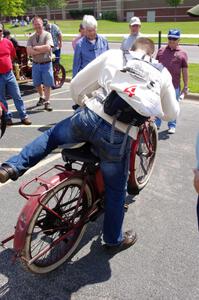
{"x":22,"y":68}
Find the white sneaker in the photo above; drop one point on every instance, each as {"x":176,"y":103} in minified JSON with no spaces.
{"x":171,"y":130}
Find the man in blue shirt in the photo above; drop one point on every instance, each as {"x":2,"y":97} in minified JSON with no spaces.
{"x":57,"y":38}
{"x":88,"y":47}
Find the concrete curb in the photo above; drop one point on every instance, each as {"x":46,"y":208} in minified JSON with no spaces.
{"x":192,"y":96}
{"x":68,"y":79}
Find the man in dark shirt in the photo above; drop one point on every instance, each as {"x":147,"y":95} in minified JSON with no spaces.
{"x":174,"y":58}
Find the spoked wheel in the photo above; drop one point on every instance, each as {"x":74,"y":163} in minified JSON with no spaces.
{"x":142,"y":158}
{"x":52,"y":237}
{"x":59,"y":75}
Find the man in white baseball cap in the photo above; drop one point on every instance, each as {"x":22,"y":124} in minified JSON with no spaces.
{"x":134,"y":25}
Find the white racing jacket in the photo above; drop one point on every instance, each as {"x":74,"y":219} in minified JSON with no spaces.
{"x":104,"y":74}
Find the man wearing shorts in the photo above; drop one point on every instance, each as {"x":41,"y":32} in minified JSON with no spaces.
{"x":39,"y":46}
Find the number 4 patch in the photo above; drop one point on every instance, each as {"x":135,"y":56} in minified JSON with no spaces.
{"x":130,"y":91}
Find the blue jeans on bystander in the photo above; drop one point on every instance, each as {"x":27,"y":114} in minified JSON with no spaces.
{"x":9,"y":86}
{"x":57,"y":54}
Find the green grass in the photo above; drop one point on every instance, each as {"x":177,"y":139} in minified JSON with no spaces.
{"x":104,"y":26}
{"x":67,"y":61}
{"x":194,"y":78}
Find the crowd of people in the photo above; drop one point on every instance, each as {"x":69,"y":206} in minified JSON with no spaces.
{"x":24,"y":21}
{"x":95,"y":69}
{"x":47,"y":40}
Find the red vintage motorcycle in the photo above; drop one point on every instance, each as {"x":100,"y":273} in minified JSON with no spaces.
{"x":22,"y":68}
{"x":62,"y":200}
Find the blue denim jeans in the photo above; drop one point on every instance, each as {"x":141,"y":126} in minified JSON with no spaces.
{"x":57,"y":53}
{"x":170,"y":123}
{"x":85,"y":125}
{"x":9,"y":85}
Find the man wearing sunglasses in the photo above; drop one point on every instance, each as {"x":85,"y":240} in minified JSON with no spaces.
{"x":174,"y":58}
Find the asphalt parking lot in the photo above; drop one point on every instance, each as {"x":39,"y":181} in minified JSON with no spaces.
{"x":164,"y":262}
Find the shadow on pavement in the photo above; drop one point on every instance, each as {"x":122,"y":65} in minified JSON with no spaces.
{"x":27,"y":89}
{"x":87,"y":266}
{"x":85,"y":269}
{"x":163,"y":135}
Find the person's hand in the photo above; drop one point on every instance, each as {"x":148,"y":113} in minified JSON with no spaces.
{"x":196,"y":180}
{"x":35,"y":48}
{"x":0,"y":111}
{"x":185,"y":90}
{"x":152,"y":119}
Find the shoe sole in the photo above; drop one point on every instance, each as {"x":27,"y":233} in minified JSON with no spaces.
{"x":117,"y":249}
{"x":47,"y":109}
{"x":171,"y":132}
{"x":4,"y":178}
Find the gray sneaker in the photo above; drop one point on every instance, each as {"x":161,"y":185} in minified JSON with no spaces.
{"x":40,"y":102}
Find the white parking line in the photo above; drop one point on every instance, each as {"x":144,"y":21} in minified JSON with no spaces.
{"x":10,"y":149}
{"x":61,"y":99}
{"x":57,"y":151}
{"x":39,"y":165}
{"x":33,"y":99}
{"x":19,"y":149}
{"x":30,"y":126}
{"x":28,"y":110}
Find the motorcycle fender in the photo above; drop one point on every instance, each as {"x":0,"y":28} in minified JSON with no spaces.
{"x":27,"y":213}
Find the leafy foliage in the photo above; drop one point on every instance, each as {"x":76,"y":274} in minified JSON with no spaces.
{"x":175,"y":3}
{"x":12,"y":8}
{"x":40,"y":3}
{"x":109,"y":15}
{"x":78,"y":14}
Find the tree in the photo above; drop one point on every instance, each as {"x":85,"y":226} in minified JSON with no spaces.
{"x":40,"y":3}
{"x":35,"y":3}
{"x":175,"y":3}
{"x":56,"y":3}
{"x":12,"y":8}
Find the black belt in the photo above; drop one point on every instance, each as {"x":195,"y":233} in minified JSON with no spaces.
{"x":42,"y":63}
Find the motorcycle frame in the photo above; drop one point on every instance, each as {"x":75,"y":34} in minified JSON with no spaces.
{"x":95,"y":184}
